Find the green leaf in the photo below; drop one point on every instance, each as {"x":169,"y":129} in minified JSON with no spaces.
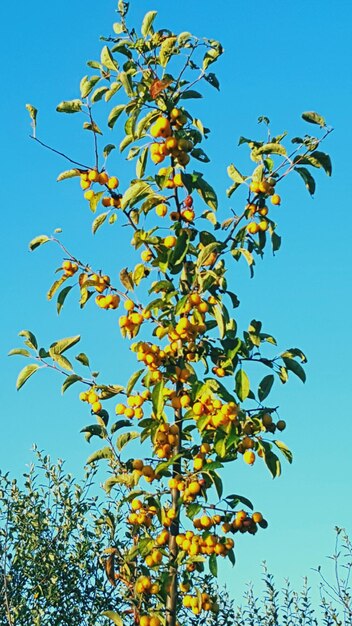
{"x":70,"y":380}
{"x":33,"y":112}
{"x":126,"y":279}
{"x":265,"y":387}
{"x":207,"y":193}
{"x":193,"y":510}
{"x":313,"y":118}
{"x":55,"y":286}
{"x":107,"y":59}
{"x":132,"y":381}
{"x":190,"y":94}
{"x":166,"y":50}
{"x":158,"y":399}
{"x":135,"y":193}
{"x":120,"y":424}
{"x":38,"y":241}
{"x":127,"y":84}
{"x":124,"y":439}
{"x":61,"y":360}
{"x":270,"y":148}
{"x":69,"y":106}
{"x":99,"y":220}
{"x":82,"y":358}
{"x":31,"y":341}
{"x":218,"y":314}
{"x":114,"y":617}
{"x":295,"y":367}
{"x":62,"y":297}
{"x":26,"y":373}
{"x":284,"y":450}
{"x":315,"y":159}
{"x":98,"y":94}
{"x":307,"y":177}
{"x":19,"y":352}
{"x":147,"y":24}
{"x":68,"y":174}
{"x":103,"y":453}
{"x":142,"y":163}
{"x":60,"y":346}
{"x":213,"y":565}
{"x":235,"y":175}
{"x":206,"y":252}
{"x":87,"y":84}
{"x":115,"y":114}
{"x":273,"y":463}
{"x":242,"y":387}
{"x":145,"y":546}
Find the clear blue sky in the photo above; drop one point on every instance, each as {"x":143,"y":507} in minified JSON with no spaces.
{"x":279,"y":61}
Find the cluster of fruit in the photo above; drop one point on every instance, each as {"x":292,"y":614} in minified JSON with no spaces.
{"x":187,"y":214}
{"x":219,"y":413}
{"x":102,"y":178}
{"x":99,"y":282}
{"x":143,"y":470}
{"x":93,"y":176}
{"x":241,"y":522}
{"x":151,"y":355}
{"x":173,"y":181}
{"x":134,"y":405}
{"x":262,"y":190}
{"x":198,"y":544}
{"x":200,"y":603}
{"x":92,"y":398}
{"x":178,"y":148}
{"x":189,"y":489}
{"x":144,"y":584}
{"x":165,"y":440}
{"x":131,"y":323}
{"x":141,"y":515}
{"x":69,"y":268}
{"x":110,"y":301}
{"x":149,"y":620}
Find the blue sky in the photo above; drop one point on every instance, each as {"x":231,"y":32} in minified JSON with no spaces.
{"x":278,"y":62}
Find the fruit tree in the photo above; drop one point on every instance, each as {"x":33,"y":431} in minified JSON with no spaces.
{"x":190,"y":402}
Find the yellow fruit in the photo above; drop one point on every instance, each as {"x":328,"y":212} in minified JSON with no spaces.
{"x":136,"y":504}
{"x":206,"y":522}
{"x":92,"y":397}
{"x":161,"y":210}
{"x":129,"y":305}
{"x":275,"y":199}
{"x":263,"y":225}
{"x":249,"y":457}
{"x":89,"y":194}
{"x":198,"y":464}
{"x":146,"y":255}
{"x":254,"y":186}
{"x":103,"y":178}
{"x":194,"y":488}
{"x":96,"y":407}
{"x":137,"y":464}
{"x":113,"y":182}
{"x":257,"y":517}
{"x":170,"y":241}
{"x":144,"y":620}
{"x":171,"y":143}
{"x":178,"y":180}
{"x":120,"y":409}
{"x":93,"y":176}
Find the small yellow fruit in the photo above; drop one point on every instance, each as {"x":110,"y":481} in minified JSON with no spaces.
{"x":275,"y":199}
{"x":113,"y":182}
{"x":170,"y":241}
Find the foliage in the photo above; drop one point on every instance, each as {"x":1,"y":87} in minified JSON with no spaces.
{"x":179,"y":520}
{"x":51,"y":541}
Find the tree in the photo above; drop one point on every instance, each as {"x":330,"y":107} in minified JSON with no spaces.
{"x":184,"y":334}
{"x":51,"y":542}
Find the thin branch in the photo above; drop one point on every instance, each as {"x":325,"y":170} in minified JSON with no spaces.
{"x":86,"y":167}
